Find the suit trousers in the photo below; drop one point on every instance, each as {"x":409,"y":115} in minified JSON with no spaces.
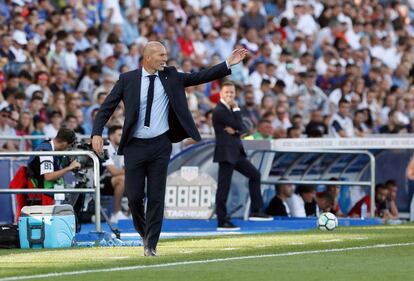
{"x":224,"y":181}
{"x":147,"y":159}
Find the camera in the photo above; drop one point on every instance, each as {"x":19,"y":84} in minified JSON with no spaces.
{"x":85,"y":161}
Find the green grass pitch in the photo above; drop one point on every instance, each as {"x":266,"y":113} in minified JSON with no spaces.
{"x":363,"y":253}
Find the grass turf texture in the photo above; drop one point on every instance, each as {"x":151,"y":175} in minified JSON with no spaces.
{"x":370,"y":264}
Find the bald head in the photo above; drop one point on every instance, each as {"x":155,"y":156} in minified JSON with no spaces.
{"x":151,"y":47}
{"x":154,"y":57}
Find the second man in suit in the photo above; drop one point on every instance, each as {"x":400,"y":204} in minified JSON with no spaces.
{"x":230,"y":155}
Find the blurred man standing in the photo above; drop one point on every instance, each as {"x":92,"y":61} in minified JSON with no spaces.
{"x":230,"y":155}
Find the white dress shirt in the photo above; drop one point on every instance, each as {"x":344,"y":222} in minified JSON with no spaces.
{"x":159,"y":111}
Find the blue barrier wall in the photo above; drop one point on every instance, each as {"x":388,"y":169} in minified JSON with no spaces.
{"x":6,"y":208}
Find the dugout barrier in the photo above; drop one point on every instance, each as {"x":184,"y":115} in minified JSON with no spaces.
{"x":22,"y":139}
{"x":391,"y":153}
{"x":312,"y":167}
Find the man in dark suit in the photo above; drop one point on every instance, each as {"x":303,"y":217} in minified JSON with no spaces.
{"x":156,"y":114}
{"x":230,"y":155}
{"x":278,"y":205}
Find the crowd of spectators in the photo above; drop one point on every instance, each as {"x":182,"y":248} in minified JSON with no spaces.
{"x":315,"y":68}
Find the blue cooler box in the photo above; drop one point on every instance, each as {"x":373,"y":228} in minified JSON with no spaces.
{"x":47,"y":226}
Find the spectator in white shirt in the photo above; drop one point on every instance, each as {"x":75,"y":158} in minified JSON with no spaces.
{"x":387,"y":53}
{"x":71,"y":60}
{"x":19,"y":41}
{"x":302,"y":203}
{"x":390,"y":103}
{"x":282,"y":118}
{"x":226,"y":41}
{"x":113,"y":177}
{"x":341,"y":124}
{"x":112,"y":12}
{"x":258,"y":75}
{"x":7,"y":130}
{"x":56,"y":120}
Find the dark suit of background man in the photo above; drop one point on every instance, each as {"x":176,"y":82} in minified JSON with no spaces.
{"x":156,"y":114}
{"x":230,"y":155}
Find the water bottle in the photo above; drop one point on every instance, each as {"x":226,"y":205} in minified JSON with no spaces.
{"x":364,"y":210}
{"x":59,"y":197}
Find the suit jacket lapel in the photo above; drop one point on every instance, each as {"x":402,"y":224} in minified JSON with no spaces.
{"x":166,"y":85}
{"x":225,"y":107}
{"x":136,"y":88}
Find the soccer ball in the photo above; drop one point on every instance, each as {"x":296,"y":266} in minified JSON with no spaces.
{"x":327,"y":221}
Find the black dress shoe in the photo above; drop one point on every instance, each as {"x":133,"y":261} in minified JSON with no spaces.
{"x":150,"y":252}
{"x":227,"y":226}
{"x":260,"y":217}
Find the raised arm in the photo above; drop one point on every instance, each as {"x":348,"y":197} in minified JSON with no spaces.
{"x":216,"y":72}
{"x":196,"y":78}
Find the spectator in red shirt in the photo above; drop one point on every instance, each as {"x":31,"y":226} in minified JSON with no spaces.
{"x":381,"y":208}
{"x":186,"y":42}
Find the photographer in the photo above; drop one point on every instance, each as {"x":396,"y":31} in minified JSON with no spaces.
{"x":46,"y":171}
{"x":113,"y":176}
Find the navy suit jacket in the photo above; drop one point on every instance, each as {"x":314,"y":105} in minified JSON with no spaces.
{"x":228,"y":147}
{"x":127,"y":89}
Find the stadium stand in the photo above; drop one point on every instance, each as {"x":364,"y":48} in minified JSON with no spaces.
{"x":61,"y":58}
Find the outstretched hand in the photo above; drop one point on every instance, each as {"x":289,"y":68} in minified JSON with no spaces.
{"x":237,"y":56}
{"x":97,"y":144}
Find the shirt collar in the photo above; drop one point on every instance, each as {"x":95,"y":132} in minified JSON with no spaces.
{"x":223,"y":102}
{"x":53,"y":145}
{"x":340,"y":115}
{"x":145,"y":73}
{"x":111,"y":146}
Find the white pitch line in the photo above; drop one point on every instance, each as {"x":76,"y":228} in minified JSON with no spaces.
{"x":137,"y":267}
{"x":331,"y":240}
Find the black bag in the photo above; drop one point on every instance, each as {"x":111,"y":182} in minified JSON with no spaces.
{"x":9,"y":236}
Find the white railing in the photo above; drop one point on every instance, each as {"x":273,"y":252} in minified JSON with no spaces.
{"x":22,"y":139}
{"x":370,"y":183}
{"x":96,"y":178}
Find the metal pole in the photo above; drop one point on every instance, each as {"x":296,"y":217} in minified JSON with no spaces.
{"x":96,"y":184}
{"x":321,"y":182}
{"x":22,"y":142}
{"x":372,"y":160}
